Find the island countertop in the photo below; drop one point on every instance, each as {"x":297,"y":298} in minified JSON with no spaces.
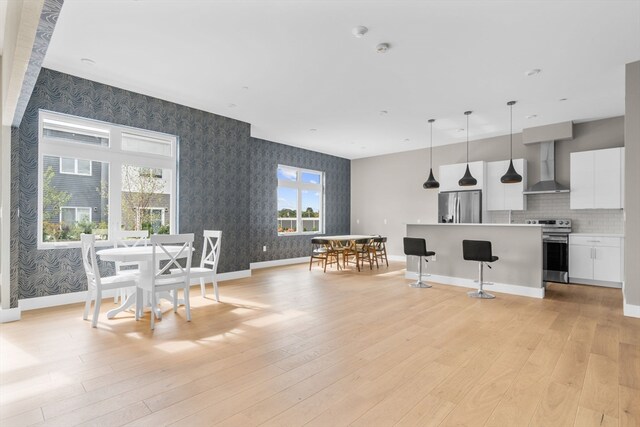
{"x":447,"y":224}
{"x":519,"y":248}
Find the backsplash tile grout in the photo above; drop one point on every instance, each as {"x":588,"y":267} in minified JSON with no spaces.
{"x":541,"y":206}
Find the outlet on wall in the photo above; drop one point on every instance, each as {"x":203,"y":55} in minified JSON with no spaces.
{"x":264,"y":248}
{"x":385,"y":221}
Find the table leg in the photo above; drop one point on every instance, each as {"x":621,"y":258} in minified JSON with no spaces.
{"x":131,"y":299}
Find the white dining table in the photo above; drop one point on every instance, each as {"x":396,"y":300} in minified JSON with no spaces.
{"x":143,"y":256}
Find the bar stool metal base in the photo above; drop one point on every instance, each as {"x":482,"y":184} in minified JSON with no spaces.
{"x":419,"y":283}
{"x":480,"y":294}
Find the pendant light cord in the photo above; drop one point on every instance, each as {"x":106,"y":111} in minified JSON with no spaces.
{"x":511,"y":132}
{"x":431,"y":148}
{"x":467,"y":139}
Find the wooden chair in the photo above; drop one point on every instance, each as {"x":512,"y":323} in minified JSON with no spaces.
{"x":95,"y":283}
{"x":128,"y":239}
{"x":173,"y":276}
{"x":209,"y":261}
{"x":322,"y":250}
{"x":379,"y":250}
{"x":358,"y":251}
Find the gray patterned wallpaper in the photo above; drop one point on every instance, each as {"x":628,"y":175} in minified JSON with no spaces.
{"x":219,"y":163}
{"x":265,"y":157}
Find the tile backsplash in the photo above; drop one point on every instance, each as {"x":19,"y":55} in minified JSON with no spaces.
{"x":540,"y":206}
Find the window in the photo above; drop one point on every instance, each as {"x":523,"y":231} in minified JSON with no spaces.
{"x":300,"y":201}
{"x":71,"y":215}
{"x":96,"y":177}
{"x":71,"y":166}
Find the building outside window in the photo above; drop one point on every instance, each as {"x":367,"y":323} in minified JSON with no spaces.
{"x":96,"y":177}
{"x":300,"y":201}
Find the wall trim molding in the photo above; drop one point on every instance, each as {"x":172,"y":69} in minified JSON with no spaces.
{"x":278,"y":262}
{"x":233,"y":275}
{"x":77,"y":297}
{"x":10,"y":314}
{"x":61,"y":299}
{"x":631,"y":310}
{"x":505,"y":288}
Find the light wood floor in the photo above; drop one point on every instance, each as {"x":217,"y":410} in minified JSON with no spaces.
{"x":291,"y":347}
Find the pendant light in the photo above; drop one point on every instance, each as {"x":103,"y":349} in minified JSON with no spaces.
{"x":511,"y":177}
{"x":467,"y":180}
{"x":431,"y":181}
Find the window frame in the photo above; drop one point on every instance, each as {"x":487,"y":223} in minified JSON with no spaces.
{"x":76,"y":212}
{"x":301,"y":186}
{"x":75,"y":170}
{"x":114,"y":157}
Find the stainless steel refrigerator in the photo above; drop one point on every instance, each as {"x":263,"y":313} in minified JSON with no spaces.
{"x":460,"y":207}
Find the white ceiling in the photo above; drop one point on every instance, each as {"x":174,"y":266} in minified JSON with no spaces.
{"x":303,"y":69}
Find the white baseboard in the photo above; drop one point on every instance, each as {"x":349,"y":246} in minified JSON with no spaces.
{"x":232,"y":275}
{"x":631,"y":310}
{"x":469,"y":283}
{"x":56,"y":300}
{"x":278,"y":262}
{"x":9,"y":314}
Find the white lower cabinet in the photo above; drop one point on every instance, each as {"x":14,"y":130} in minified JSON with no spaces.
{"x":596,"y":260}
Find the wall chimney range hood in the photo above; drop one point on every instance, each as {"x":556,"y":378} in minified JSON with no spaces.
{"x":546,"y":136}
{"x":547,"y":183}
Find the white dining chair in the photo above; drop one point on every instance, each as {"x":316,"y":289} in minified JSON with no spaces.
{"x":172,"y":276}
{"x":209,"y":261}
{"x":95,"y":283}
{"x":128,"y":239}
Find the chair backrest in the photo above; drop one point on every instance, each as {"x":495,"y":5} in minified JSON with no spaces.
{"x":317,"y":241}
{"x":477,"y":250}
{"x":211,"y":249}
{"x":415,"y":246}
{"x":163,"y":246}
{"x":89,"y":260}
{"x":131,"y":238}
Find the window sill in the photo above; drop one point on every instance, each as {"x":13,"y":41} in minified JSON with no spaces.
{"x":71,"y":245}
{"x":304,"y":233}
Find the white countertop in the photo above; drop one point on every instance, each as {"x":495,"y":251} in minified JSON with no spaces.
{"x":597,"y":235}
{"x":483,"y":225}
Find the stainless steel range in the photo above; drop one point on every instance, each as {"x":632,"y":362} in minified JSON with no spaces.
{"x":555,"y":240}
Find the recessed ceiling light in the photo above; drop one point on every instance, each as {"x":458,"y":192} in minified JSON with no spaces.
{"x":407,"y":140}
{"x":384,"y":112}
{"x":532,"y":116}
{"x":313,"y":130}
{"x":359,"y":31}
{"x":245,"y":87}
{"x":562,"y":99}
{"x":88,"y":61}
{"x":383,"y":48}
{"x":533,"y":72}
{"x":232,"y":105}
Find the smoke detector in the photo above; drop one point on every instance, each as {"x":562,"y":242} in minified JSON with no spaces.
{"x":382,"y":48}
{"x":359,"y":31}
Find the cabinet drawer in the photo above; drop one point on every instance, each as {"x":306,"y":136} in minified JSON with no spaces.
{"x":595,"y":241}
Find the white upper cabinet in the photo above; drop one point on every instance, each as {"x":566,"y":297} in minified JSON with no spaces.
{"x":451,"y":174}
{"x":502,"y":197}
{"x":597,"y":179}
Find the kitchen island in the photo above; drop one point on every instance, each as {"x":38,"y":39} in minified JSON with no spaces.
{"x":518,"y":271}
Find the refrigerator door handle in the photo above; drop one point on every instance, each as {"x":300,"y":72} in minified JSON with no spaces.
{"x":457,"y":220}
